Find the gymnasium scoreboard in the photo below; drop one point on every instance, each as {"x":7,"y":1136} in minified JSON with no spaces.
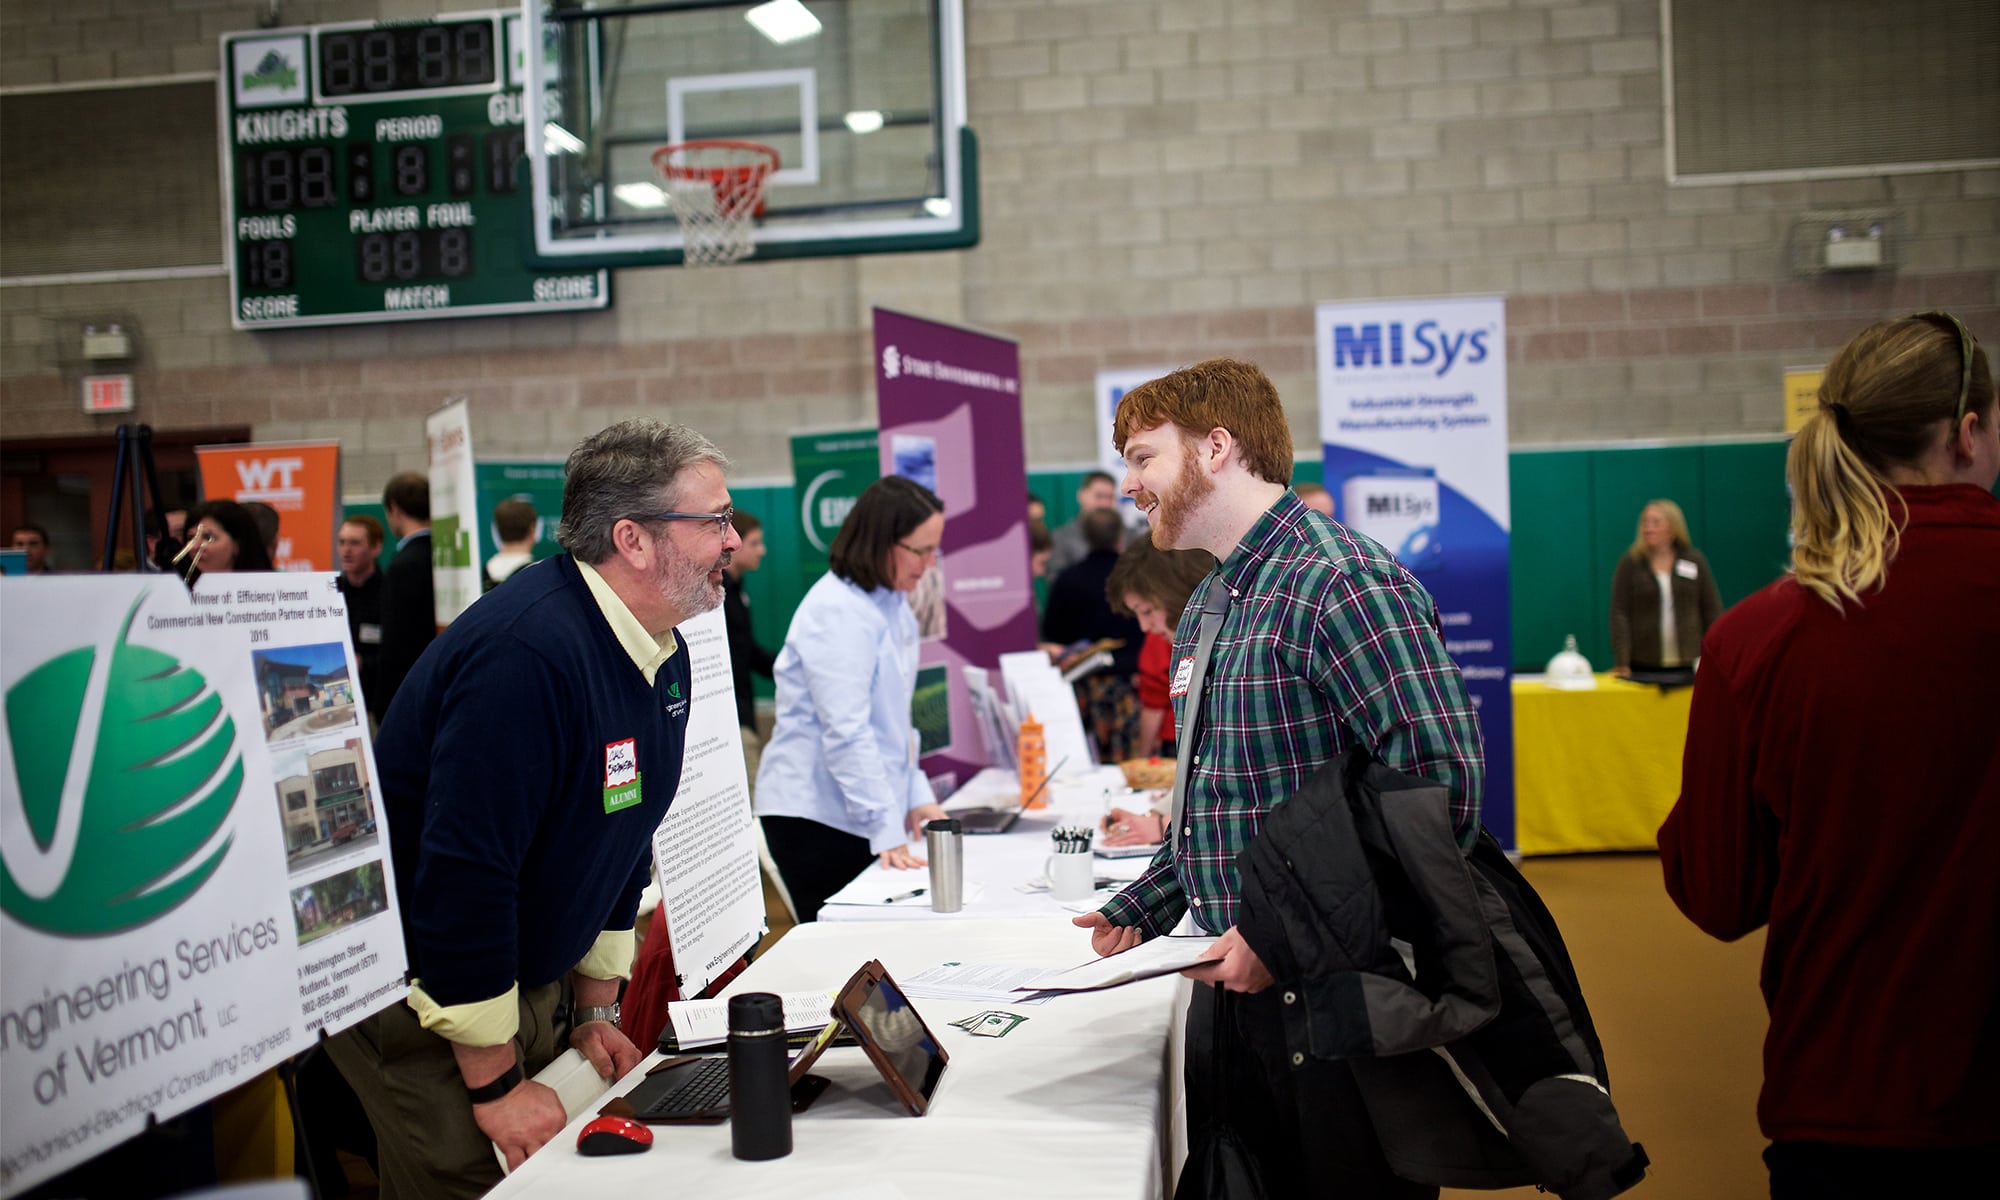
{"x":373,"y":172}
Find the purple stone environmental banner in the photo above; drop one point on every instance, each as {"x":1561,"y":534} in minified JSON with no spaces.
{"x":948,"y":402}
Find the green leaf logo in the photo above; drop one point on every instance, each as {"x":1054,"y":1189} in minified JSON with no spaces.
{"x":674,"y":690}
{"x":160,"y":776}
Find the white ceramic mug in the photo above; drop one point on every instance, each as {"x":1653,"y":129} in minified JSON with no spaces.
{"x":1071,"y":876}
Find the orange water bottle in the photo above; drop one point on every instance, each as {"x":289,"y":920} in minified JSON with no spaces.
{"x":1032,"y":752}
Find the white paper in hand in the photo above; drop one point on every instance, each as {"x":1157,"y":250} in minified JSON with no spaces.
{"x":1147,"y":960}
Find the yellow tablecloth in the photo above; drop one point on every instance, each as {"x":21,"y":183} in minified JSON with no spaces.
{"x":1595,"y":770}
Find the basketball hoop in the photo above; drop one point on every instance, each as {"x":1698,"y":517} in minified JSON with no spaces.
{"x":717,"y":188}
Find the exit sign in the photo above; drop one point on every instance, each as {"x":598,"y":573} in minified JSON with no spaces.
{"x":107,"y":393}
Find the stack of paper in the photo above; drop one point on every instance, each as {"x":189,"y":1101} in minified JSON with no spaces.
{"x":694,"y":1023}
{"x":996,"y":721}
{"x":1147,"y":960}
{"x":982,"y":982}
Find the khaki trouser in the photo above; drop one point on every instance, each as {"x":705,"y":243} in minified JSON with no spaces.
{"x":408,"y":1082}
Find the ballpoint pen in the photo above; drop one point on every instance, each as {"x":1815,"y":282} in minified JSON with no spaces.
{"x":906,"y":896}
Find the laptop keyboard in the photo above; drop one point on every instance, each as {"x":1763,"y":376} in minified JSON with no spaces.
{"x":684,"y":1091}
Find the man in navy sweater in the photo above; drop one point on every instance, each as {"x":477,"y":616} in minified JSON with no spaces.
{"x":525,"y":764}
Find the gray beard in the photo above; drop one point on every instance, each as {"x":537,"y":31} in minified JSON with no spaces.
{"x":689,"y":593}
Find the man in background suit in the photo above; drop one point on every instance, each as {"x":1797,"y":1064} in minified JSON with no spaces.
{"x":409,"y":614}
{"x":359,"y":544}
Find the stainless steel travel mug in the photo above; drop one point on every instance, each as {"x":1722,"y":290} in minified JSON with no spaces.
{"x":944,"y":844}
{"x":760,"y":1094}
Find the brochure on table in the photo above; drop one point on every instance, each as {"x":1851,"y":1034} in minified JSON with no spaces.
{"x":196,"y":875}
{"x":705,"y":852}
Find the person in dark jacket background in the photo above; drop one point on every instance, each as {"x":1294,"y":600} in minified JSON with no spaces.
{"x":745,"y":655}
{"x":1841,"y":783}
{"x":409,"y":607}
{"x":1663,"y":595}
{"x":1079,"y":611}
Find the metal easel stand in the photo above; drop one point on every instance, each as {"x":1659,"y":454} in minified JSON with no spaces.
{"x":134,"y":463}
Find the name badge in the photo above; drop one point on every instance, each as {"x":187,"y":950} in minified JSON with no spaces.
{"x":1181,"y":673}
{"x":1685,"y":568}
{"x":371,"y":635}
{"x":621,"y":774}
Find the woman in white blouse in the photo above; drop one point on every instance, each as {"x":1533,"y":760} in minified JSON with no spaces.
{"x":839,"y":785}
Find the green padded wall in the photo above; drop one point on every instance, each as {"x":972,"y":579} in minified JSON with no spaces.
{"x":1576,"y":511}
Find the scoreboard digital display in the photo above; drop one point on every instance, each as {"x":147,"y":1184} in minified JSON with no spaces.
{"x":374,"y":174}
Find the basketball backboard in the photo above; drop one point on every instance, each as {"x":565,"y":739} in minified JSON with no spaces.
{"x":864,"y":101}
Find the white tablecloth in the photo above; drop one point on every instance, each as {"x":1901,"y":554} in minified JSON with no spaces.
{"x":1073,"y":1103}
{"x":998,"y":865}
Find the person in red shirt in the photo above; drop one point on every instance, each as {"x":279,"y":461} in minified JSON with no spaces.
{"x":1841,"y":781}
{"x":1152,"y":587}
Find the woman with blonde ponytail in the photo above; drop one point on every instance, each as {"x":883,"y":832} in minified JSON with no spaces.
{"x":1841,"y":781}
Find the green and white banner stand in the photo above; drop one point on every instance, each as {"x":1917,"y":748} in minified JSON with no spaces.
{"x":194,"y":868}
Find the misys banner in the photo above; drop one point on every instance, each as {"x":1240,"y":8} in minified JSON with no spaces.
{"x":949,"y":407}
{"x":193,"y":875}
{"x":1413,"y":417}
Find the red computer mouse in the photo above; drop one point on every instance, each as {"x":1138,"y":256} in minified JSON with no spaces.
{"x":613,"y":1135}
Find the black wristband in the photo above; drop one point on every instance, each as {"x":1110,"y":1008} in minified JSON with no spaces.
{"x":486,"y":1093}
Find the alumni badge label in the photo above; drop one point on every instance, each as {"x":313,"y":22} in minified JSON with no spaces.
{"x":621,"y":774}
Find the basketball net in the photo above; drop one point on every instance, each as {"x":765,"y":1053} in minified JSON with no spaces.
{"x":717,"y":190}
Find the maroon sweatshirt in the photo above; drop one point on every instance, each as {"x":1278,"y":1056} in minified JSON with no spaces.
{"x":1842,"y":784}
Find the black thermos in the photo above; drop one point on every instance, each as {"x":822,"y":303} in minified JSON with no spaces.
{"x":760,"y":1095}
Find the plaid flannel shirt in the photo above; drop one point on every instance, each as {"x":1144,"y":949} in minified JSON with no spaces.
{"x":1328,"y":644}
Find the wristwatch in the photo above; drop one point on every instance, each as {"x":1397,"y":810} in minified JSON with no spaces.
{"x":593,"y":1012}
{"x":487,"y":1093}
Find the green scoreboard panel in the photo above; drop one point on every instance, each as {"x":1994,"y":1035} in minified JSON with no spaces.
{"x":371,"y":174}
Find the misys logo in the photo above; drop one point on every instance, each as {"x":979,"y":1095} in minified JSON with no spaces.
{"x":1426,"y":344}
{"x":128,"y":769}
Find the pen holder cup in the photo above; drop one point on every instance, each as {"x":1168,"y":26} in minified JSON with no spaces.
{"x":1071,"y":876}
{"x":944,"y":845}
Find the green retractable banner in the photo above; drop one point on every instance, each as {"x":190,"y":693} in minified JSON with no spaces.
{"x":829,"y":472}
{"x":538,"y":482}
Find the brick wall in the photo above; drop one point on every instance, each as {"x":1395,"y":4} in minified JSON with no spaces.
{"x":1162,"y":180}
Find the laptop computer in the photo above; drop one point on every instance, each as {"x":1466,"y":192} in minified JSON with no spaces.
{"x":695,"y":1089}
{"x":995,"y":818}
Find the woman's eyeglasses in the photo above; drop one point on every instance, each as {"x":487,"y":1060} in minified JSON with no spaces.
{"x":924,"y":555}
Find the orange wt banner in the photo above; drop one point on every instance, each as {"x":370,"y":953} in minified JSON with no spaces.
{"x":299,"y":479}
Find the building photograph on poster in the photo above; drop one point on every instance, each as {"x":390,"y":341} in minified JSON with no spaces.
{"x":339,"y":901}
{"x":325,"y":801}
{"x":304,"y":691}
